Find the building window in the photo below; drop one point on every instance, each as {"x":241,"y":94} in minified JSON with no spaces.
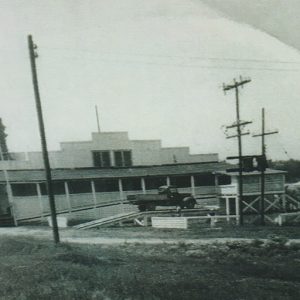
{"x":153,"y":183}
{"x":24,"y":189}
{"x":224,"y":180}
{"x":58,"y":188}
{"x":181,"y":181}
{"x":106,"y":185}
{"x":101,"y":159}
{"x":3,"y":189}
{"x":207,"y":179}
{"x":123,"y":158}
{"x":131,"y":184}
{"x":80,"y":187}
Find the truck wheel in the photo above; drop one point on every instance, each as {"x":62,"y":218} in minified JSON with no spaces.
{"x":142,"y":207}
{"x":189,"y":202}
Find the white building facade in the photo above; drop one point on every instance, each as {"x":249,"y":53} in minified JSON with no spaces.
{"x":105,"y":150}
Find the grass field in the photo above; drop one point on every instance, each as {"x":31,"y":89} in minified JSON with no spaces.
{"x":36,"y":269}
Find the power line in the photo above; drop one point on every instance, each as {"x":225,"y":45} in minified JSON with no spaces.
{"x":180,"y":56}
{"x":132,"y":62}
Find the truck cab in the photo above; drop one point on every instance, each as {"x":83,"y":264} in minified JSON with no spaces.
{"x":167,"y":190}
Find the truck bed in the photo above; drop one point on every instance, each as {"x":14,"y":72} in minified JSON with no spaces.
{"x":143,"y":198}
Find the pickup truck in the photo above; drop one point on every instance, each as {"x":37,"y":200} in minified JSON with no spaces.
{"x":166,"y":196}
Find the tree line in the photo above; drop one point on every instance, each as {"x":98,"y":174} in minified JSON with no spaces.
{"x":292,"y":167}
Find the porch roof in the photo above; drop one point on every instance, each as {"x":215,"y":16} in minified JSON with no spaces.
{"x":93,"y":173}
{"x":253,"y":173}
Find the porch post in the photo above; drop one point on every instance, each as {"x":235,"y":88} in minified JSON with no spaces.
{"x":94,"y":193}
{"x":10,"y":199}
{"x":143,"y":184}
{"x":227,"y":208}
{"x":237,"y":208}
{"x":38,"y":190}
{"x":68,"y":196}
{"x":168,"y":180}
{"x":193,"y":185}
{"x":94,"y":197}
{"x":9,"y":193}
{"x":121,"y":193}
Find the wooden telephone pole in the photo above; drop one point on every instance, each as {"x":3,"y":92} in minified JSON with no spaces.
{"x":263,"y":153}
{"x":33,"y":56}
{"x":238,"y":124}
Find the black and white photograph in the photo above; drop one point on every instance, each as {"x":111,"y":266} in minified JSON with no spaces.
{"x":149,"y":150}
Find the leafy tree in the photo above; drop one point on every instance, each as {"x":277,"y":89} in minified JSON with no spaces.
{"x":292,"y":167}
{"x":3,"y":145}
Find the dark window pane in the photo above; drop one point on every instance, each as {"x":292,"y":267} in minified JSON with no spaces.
{"x":78,"y":187}
{"x":101,"y":159}
{"x":105,"y":159}
{"x":118,"y":159}
{"x":181,"y":181}
{"x":58,"y":188}
{"x":97,"y":159}
{"x":127,"y":158}
{"x":3,"y":189}
{"x":155,"y":182}
{"x":24,"y":189}
{"x":43,"y":188}
{"x":106,"y":185}
{"x":224,"y":179}
{"x":204,"y":180}
{"x":131,"y":184}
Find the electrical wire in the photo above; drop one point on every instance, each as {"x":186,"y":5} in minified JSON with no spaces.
{"x":179,"y":56}
{"x":136,"y":62}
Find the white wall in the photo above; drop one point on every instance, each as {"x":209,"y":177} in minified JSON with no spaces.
{"x":79,"y":154}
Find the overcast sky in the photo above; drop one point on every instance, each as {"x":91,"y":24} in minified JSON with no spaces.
{"x":154,"y":68}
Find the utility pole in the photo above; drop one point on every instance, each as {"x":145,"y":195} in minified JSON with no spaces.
{"x":263,"y":154}
{"x":97,"y":117}
{"x":33,"y":56}
{"x":238,"y":124}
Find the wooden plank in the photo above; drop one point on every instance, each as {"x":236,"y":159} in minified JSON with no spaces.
{"x":108,"y":220}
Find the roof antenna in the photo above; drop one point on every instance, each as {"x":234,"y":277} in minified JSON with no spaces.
{"x":97,"y":116}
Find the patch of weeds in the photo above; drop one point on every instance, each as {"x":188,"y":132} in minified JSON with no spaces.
{"x":198,"y":253}
{"x":256,"y":243}
{"x":294,"y":246}
{"x":22,"y":246}
{"x":86,"y":259}
{"x":237,"y":245}
{"x":279,"y":240}
{"x":182,"y":245}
